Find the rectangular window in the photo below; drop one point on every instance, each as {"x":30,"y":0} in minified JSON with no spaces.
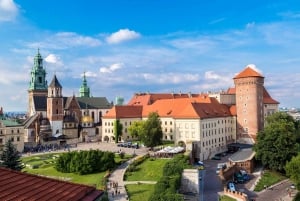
{"x":18,"y":138}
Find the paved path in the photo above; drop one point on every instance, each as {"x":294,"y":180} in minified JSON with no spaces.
{"x":116,"y":185}
{"x":116,"y":178}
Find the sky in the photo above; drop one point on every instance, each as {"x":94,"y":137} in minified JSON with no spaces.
{"x":132,"y":46}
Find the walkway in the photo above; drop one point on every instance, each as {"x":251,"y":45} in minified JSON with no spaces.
{"x":116,"y":178}
{"x":116,"y":185}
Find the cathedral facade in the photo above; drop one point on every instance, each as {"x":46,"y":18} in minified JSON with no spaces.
{"x":54,"y":118}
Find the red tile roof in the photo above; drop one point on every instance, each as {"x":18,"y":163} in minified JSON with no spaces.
{"x":268,"y":99}
{"x":194,"y":107}
{"x":23,"y":186}
{"x":231,"y":90}
{"x":248,"y":72}
{"x":150,"y":98}
{"x":124,"y":111}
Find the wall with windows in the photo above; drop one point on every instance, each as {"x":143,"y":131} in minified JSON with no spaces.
{"x":168,"y":128}
{"x":108,"y":129}
{"x":213,"y":134}
{"x":270,"y":109}
{"x":15,"y":133}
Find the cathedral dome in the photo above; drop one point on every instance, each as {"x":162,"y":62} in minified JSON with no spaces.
{"x":87,"y":119}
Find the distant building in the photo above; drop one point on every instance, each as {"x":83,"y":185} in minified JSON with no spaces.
{"x":53,"y":117}
{"x":204,"y":123}
{"x":10,"y":129}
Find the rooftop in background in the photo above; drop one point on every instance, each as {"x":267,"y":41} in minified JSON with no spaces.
{"x":23,"y":186}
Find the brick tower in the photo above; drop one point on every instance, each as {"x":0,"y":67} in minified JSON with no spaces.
{"x":55,"y":109}
{"x":249,"y":86}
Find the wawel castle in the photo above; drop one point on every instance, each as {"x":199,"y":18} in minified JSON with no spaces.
{"x":204,"y":123}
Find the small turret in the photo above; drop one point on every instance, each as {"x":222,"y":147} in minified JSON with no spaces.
{"x":84,"y":90}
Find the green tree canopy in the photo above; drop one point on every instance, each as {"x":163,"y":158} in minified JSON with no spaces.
{"x":136,"y":130}
{"x":10,"y":157}
{"x":152,"y":135}
{"x":117,"y":130}
{"x":149,"y":131}
{"x":276,"y":144}
{"x":292,"y":169}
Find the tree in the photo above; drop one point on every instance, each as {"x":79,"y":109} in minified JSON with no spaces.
{"x":292,"y":169}
{"x":136,"y":130}
{"x":276,"y":144}
{"x":117,"y":130}
{"x":152,"y":135}
{"x":10,"y":157}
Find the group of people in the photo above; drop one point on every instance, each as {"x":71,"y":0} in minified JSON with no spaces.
{"x":114,"y":187}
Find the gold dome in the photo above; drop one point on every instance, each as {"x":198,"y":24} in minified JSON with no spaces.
{"x":87,"y":119}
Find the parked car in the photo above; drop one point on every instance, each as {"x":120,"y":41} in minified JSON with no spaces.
{"x":215,"y":157}
{"x":231,"y":186}
{"x":135,"y":146}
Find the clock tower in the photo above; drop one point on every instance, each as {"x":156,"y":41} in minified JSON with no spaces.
{"x":38,"y":83}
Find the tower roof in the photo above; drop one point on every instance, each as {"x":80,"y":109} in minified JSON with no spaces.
{"x":55,"y":83}
{"x":248,"y":72}
{"x":84,"y":90}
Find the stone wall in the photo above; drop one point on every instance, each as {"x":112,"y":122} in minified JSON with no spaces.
{"x":190,"y":181}
{"x":236,"y":194}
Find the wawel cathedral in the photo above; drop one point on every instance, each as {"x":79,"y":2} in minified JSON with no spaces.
{"x":54,"y":117}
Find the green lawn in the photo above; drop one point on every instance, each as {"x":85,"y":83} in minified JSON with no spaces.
{"x":149,"y":170}
{"x":44,"y":165}
{"x":226,"y":198}
{"x":268,"y":179}
{"x":138,"y":192}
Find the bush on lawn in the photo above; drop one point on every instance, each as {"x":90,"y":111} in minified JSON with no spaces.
{"x":166,"y":188}
{"x":85,"y":162}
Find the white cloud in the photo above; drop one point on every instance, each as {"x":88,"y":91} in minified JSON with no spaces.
{"x":121,"y":36}
{"x":250,"y":25}
{"x":65,"y":40}
{"x":111,"y":68}
{"x":211,"y":75}
{"x":51,"y":58}
{"x":253,"y":66}
{"x":217,"y":21}
{"x":170,"y":78}
{"x":89,"y":74}
{"x":8,"y":10}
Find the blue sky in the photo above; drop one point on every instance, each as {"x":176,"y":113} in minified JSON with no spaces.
{"x":149,"y":46}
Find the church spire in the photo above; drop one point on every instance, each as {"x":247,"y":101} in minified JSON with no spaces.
{"x":84,"y":90}
{"x":38,"y":74}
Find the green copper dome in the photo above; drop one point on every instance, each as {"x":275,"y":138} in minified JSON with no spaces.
{"x":38,"y":74}
{"x":84,"y":90}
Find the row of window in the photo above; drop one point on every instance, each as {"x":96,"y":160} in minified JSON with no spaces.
{"x":214,"y":132}
{"x":12,"y":139}
{"x":12,"y":131}
{"x":215,"y":141}
{"x":214,"y":124}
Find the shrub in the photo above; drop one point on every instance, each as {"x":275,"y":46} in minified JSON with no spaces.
{"x":166,"y":188}
{"x":85,"y":162}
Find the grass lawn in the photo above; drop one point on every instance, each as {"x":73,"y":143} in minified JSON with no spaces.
{"x":149,"y":170}
{"x":44,"y":165}
{"x":138,"y":192}
{"x":227,"y":198}
{"x":269,"y":178}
